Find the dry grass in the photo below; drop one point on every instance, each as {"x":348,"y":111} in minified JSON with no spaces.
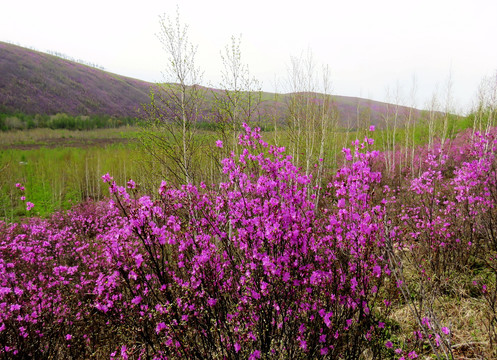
{"x":466,"y":318}
{"x":43,"y":137}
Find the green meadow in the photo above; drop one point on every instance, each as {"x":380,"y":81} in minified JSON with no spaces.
{"x":62,"y":167}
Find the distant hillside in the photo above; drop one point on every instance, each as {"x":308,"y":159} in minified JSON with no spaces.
{"x":353,"y":112}
{"x":37,"y":83}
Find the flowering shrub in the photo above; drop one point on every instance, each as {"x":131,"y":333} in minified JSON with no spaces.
{"x":47,"y":274}
{"x":252,"y":267}
{"x":444,"y":222}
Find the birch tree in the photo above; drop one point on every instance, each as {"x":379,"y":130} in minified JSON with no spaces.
{"x":311,"y":118}
{"x":176,"y":105}
{"x":240,"y":95}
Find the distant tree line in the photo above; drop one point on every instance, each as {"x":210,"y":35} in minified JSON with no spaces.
{"x":21,"y":121}
{"x":60,"y":55}
{"x":80,"y":61}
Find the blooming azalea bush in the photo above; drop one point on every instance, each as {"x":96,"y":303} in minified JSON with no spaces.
{"x":444,"y":218}
{"x":252,"y":267}
{"x":48,"y":271}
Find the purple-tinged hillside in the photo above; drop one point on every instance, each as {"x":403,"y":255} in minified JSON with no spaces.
{"x":33,"y":82}
{"x":36,"y":83}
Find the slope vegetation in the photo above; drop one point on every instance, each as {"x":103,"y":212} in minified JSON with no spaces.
{"x":33,"y":82}
{"x":37,"y":83}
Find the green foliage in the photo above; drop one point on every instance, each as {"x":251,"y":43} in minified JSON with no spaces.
{"x":21,"y":121}
{"x":57,"y":178}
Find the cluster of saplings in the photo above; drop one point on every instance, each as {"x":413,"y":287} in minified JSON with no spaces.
{"x":22,"y":121}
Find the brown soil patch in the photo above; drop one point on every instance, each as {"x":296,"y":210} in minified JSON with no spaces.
{"x":68,"y":142}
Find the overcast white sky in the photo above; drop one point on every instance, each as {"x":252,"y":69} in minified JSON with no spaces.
{"x":372,"y":47}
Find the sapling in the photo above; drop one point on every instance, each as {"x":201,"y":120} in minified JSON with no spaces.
{"x":176,"y":106}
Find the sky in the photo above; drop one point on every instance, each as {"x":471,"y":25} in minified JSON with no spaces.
{"x":407,"y":52}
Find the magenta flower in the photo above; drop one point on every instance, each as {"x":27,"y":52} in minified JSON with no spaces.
{"x":15,"y":307}
{"x":124,"y":353}
{"x":130,"y":184}
{"x":138,"y":260}
{"x":412,"y":355}
{"x":107,"y":178}
{"x":160,"y":326}
{"x":255,"y":355}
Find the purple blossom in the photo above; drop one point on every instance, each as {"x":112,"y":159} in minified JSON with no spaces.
{"x":107,"y":178}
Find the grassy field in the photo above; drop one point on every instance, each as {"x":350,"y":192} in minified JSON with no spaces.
{"x":62,"y":167}
{"x":44,"y":137}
